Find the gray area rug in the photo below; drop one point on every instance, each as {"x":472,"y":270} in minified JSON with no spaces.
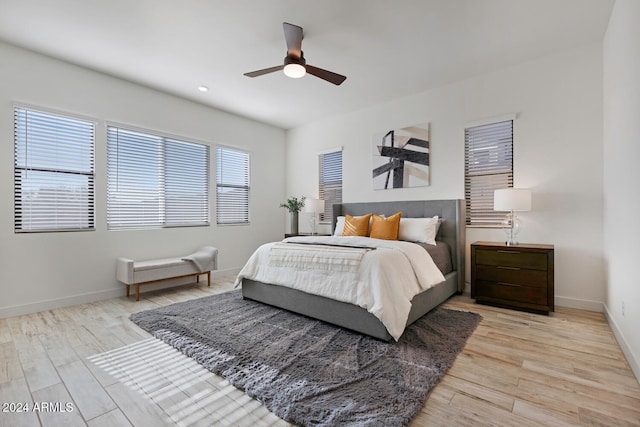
{"x":309,"y":372}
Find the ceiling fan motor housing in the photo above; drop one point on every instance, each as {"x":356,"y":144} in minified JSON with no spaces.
{"x":291,"y":60}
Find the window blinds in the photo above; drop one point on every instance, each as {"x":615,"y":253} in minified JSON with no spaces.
{"x":488,"y":167}
{"x":330,"y":182}
{"x":155,"y":181}
{"x":232,"y":186}
{"x":53,"y":172}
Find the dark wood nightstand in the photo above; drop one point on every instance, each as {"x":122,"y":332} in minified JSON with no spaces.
{"x":518,"y":277}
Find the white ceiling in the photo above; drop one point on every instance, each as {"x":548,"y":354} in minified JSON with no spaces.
{"x":387,"y":49}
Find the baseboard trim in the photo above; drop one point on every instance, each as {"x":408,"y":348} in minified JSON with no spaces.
{"x":634,"y":362}
{"x":581,"y":304}
{"x":52,"y":304}
{"x":56,"y":303}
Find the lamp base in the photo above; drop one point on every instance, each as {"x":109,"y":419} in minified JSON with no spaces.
{"x":314,"y":225}
{"x":512,"y":228}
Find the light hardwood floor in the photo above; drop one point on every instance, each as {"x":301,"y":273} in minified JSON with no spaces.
{"x":89,"y":365}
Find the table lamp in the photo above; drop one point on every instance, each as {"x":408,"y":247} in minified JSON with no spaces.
{"x":315,"y":206}
{"x":512,"y":200}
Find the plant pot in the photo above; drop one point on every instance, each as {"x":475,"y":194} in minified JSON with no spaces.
{"x":294,"y":222}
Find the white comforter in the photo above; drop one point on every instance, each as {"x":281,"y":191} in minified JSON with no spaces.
{"x":384,"y":284}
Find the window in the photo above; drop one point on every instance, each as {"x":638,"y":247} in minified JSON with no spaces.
{"x":155,"y":181}
{"x":53,"y":172}
{"x":232,"y":186}
{"x":330,"y":179}
{"x":488,"y":167}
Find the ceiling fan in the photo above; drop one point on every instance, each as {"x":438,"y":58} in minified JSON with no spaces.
{"x":295,"y":65}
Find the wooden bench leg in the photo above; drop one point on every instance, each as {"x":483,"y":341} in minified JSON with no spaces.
{"x":137,"y":285}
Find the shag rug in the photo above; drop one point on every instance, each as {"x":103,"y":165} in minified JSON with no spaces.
{"x":309,"y":372}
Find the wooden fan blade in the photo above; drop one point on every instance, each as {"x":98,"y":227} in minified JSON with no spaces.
{"x":293,"y":37}
{"x":264,"y":71}
{"x":329,"y":76}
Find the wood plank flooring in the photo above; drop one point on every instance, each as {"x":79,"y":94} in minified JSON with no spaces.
{"x":88,"y":365}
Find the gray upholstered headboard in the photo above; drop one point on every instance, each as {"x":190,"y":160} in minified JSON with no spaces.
{"x":452,"y":229}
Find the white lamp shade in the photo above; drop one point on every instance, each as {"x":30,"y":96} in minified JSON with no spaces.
{"x":314,"y":205}
{"x":512,"y":199}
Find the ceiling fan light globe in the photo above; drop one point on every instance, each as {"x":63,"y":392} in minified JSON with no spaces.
{"x":295,"y":71}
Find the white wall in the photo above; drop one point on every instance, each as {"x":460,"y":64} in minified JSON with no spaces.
{"x":39,"y":271}
{"x":558,"y":154}
{"x":622,"y":174}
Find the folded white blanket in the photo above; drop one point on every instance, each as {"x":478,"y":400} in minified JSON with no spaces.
{"x":205,"y":258}
{"x":319,"y":257}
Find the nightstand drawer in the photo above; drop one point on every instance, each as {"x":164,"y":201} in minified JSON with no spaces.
{"x":512,"y":258}
{"x":513,"y":275}
{"x":511,"y":292}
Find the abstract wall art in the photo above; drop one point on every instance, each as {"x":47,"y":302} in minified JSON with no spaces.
{"x":401,"y":158}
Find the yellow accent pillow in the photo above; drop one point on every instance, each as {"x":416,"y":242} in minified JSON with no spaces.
{"x":386,"y":228}
{"x":356,"y":225}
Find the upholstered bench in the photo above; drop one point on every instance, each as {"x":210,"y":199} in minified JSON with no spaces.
{"x":138,"y":273}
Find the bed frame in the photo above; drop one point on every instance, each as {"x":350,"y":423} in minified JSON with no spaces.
{"x":452,"y":231}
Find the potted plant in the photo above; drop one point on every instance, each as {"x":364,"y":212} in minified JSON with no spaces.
{"x":294,"y":206}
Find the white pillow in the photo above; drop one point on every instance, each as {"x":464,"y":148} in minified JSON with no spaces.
{"x":422,"y":230}
{"x":339,"y":226}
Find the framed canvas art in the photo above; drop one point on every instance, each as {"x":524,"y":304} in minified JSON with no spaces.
{"x":401,"y":158}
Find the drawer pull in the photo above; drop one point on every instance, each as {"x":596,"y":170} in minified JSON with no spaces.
{"x":508,"y":252}
{"x":507,"y":268}
{"x":509,"y":284}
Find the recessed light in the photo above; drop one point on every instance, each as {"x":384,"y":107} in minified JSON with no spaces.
{"x":203,"y":88}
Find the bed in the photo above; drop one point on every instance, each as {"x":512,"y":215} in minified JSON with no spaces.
{"x":353,"y":317}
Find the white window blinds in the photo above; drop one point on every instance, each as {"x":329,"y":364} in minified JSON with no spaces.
{"x":488,"y":167}
{"x":53,"y":172}
{"x":232,"y":186}
{"x":330,"y":182}
{"x":155,"y":181}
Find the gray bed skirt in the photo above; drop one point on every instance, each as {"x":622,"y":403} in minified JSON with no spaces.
{"x":344,"y":314}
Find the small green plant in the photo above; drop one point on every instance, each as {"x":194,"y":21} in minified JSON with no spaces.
{"x":294,"y":204}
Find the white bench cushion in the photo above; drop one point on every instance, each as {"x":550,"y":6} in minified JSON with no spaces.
{"x":136,"y":273}
{"x":131,"y":272}
{"x":158,"y":263}
{"x":147,"y":271}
